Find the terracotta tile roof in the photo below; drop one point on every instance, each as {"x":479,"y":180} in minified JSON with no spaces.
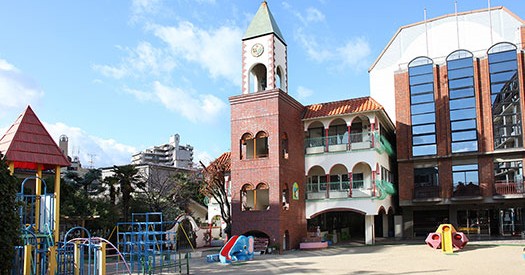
{"x":28,"y":144}
{"x":225,"y":158}
{"x":348,"y":106}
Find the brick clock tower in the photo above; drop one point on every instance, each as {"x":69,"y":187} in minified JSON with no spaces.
{"x":267,"y":137}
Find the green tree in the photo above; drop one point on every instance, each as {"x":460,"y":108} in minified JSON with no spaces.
{"x":129,"y":179}
{"x":10,"y":229}
{"x":90,"y":182}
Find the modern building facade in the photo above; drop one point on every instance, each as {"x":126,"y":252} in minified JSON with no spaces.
{"x":296,"y":168}
{"x":458,"y":85}
{"x":171,"y":154}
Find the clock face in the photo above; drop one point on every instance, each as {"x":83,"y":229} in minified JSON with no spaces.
{"x":257,"y":49}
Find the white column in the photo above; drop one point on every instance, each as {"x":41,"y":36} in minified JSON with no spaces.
{"x":398,"y":226}
{"x":369,"y":230}
{"x":385,"y":225}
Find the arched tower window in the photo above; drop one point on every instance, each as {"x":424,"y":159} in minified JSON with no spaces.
{"x":254,"y":147}
{"x":258,"y":77}
{"x":505,"y":96}
{"x":247,"y":197}
{"x":247,"y":146}
{"x":279,"y":78}
{"x":255,"y":199}
{"x":261,"y":145}
{"x":422,"y":106}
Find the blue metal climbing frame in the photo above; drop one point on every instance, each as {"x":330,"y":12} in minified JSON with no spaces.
{"x":36,"y":214}
{"x":147,"y":244}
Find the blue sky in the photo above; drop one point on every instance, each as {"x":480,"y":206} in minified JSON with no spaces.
{"x":121,"y":76}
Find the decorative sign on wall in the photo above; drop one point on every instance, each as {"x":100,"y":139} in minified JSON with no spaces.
{"x":295,"y":191}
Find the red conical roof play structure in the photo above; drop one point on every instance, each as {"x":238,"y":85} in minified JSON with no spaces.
{"x":27,"y":144}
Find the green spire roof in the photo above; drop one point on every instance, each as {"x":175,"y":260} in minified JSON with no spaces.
{"x":263,"y":23}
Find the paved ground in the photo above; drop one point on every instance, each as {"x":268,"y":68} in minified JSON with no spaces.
{"x":476,"y":258}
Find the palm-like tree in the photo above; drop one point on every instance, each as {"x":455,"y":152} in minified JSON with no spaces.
{"x":128,"y":178}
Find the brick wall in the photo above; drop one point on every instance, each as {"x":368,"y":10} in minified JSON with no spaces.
{"x":276,"y":113}
{"x":444,"y":156}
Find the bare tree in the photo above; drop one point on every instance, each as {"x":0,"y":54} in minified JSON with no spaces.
{"x":215,"y":186}
{"x":168,"y":190}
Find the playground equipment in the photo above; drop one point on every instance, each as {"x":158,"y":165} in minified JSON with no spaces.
{"x":27,"y":146}
{"x":238,"y":248}
{"x":148,"y":245}
{"x":446,"y":238}
{"x":37,"y":226}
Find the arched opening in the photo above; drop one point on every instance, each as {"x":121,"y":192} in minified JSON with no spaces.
{"x":186,"y":235}
{"x":254,"y":147}
{"x":360,"y":133}
{"x":246,"y":145}
{"x":247,"y":199}
{"x":285,"y":197}
{"x":262,"y":197}
{"x":316,"y":183}
{"x":286,"y":240}
{"x":362,"y":180}
{"x":315,"y":138}
{"x":255,"y":199}
{"x":339,"y":182}
{"x":261,"y":144}
{"x":279,"y":78}
{"x":261,"y":240}
{"x":284,"y":145}
{"x":258,"y":77}
{"x":338,"y":135}
{"x":339,"y":225}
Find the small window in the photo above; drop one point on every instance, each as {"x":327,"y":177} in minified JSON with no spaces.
{"x":286,"y":197}
{"x":284,"y":144}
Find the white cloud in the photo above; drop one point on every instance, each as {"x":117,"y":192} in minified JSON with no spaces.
{"x":16,"y":89}
{"x":313,"y":15}
{"x":203,"y":108}
{"x":355,"y":53}
{"x":103,"y":152}
{"x":142,"y":60}
{"x":140,"y":95}
{"x":217,"y":50}
{"x":312,"y":47}
{"x":303,"y":92}
{"x":142,"y":8}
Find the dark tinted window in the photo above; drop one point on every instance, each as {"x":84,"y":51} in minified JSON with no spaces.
{"x":505,"y":96}
{"x":422,"y":106}
{"x":462,"y":102}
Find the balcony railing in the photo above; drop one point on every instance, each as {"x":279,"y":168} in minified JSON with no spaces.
{"x":340,"y":189}
{"x":426,"y":192}
{"x":338,"y":143}
{"x":509,"y":187}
